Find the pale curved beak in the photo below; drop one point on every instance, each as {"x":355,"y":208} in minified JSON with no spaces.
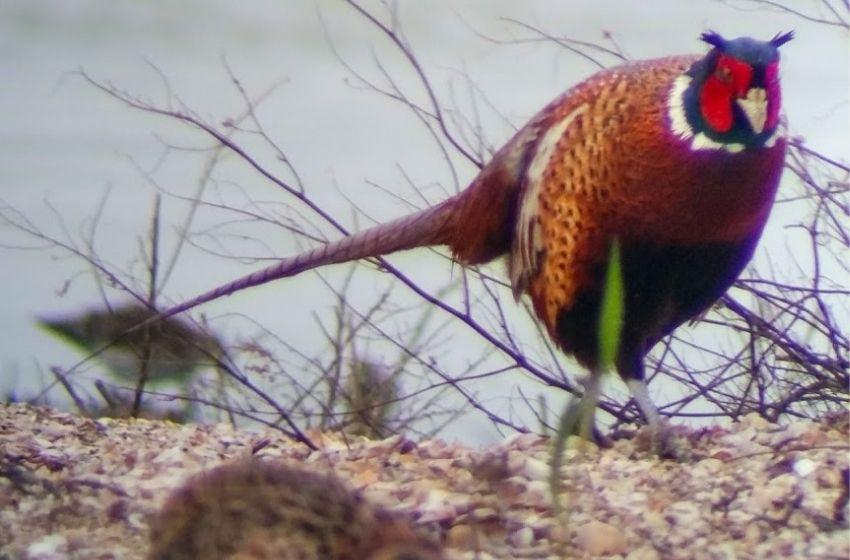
{"x":754,"y":106}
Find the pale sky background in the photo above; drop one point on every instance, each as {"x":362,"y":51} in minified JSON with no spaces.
{"x":63,"y":144}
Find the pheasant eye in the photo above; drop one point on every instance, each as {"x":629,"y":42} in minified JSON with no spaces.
{"x":724,"y":74}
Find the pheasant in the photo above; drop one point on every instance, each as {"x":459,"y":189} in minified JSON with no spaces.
{"x":264,"y":510}
{"x":676,"y":158}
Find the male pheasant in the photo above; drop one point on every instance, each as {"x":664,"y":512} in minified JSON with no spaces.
{"x":678,"y":158}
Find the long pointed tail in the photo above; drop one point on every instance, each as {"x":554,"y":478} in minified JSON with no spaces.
{"x":428,"y":227}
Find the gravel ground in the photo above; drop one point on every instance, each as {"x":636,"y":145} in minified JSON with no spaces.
{"x":72,"y":487}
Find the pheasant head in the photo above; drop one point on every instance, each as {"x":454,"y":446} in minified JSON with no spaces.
{"x":730,"y":98}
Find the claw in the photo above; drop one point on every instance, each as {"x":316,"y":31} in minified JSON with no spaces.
{"x":663,"y":442}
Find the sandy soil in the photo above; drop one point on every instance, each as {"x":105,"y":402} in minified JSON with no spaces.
{"x":73,"y":487}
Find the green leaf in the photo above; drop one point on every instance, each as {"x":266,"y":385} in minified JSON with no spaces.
{"x":612,"y":310}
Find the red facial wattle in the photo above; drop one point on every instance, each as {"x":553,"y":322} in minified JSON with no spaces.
{"x":730,"y":79}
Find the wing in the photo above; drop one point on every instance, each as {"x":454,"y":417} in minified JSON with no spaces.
{"x":527,"y":247}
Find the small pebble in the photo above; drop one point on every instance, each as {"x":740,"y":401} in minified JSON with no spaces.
{"x":597,"y":539}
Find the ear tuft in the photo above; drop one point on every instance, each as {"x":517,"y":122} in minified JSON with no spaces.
{"x":781,"y":38}
{"x":713,"y":38}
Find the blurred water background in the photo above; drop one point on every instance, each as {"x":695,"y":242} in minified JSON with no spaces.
{"x":66,"y":148}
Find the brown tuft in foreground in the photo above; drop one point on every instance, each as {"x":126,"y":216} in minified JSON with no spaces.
{"x":265,"y":510}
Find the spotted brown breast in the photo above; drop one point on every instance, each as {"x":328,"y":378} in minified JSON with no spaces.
{"x":609,"y":164}
{"x":677,"y":158}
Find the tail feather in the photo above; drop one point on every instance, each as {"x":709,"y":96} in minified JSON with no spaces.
{"x":424,"y":228}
